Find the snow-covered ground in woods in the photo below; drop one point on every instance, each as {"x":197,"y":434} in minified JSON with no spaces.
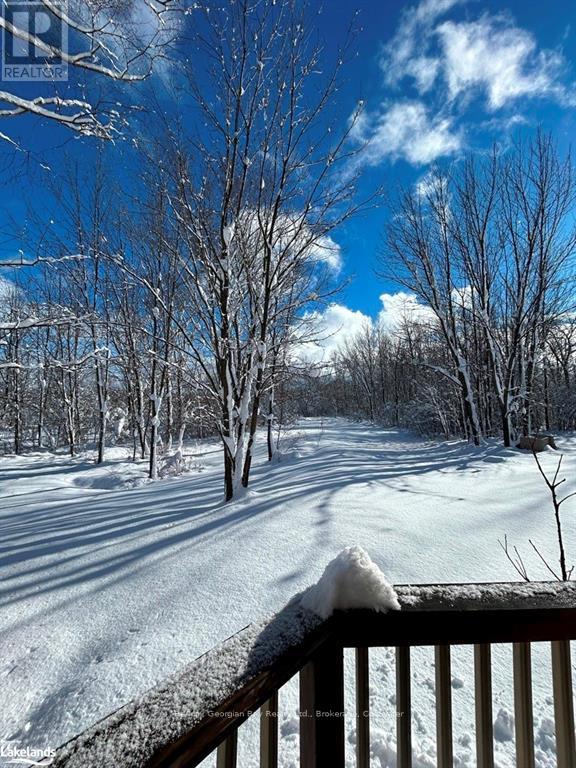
{"x":109,"y":583}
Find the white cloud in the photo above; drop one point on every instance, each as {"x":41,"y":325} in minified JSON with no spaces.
{"x":490,"y":52}
{"x":292,"y":235}
{"x":444,"y":61}
{"x":337,"y":324}
{"x":332,"y":327}
{"x":424,"y":70}
{"x":400,"y":307}
{"x":431,"y":184}
{"x":403,"y":55}
{"x":328,"y":251}
{"x":498,"y":57}
{"x":407,"y":131}
{"x":462,"y":297}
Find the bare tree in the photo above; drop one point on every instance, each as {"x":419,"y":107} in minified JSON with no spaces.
{"x":421,"y":250}
{"x":489,"y":247}
{"x":116,"y":41}
{"x":516,"y":243}
{"x":257,"y":193}
{"x":515,"y":557}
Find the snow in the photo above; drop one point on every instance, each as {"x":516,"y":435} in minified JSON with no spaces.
{"x":504,"y":726}
{"x":111,"y":585}
{"x":351,"y":580}
{"x":228,"y":233}
{"x":131,"y":736}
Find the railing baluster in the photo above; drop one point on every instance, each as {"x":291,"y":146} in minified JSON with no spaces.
{"x":227,"y":752}
{"x":269,"y":733}
{"x":443,"y":706}
{"x":483,"y":693}
{"x":322,"y":708}
{"x":563,"y":704}
{"x":403,"y":708}
{"x":362,"y":708}
{"x":523,"y":705}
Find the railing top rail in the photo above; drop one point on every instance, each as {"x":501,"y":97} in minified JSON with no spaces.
{"x":503,"y":596}
{"x":236,"y":676}
{"x":186,"y":716}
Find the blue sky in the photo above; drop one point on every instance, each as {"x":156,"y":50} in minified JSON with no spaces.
{"x":438,"y":78}
{"x":441,"y":78}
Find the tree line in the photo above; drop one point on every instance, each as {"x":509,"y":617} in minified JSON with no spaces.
{"x":487,"y":248}
{"x":145,"y":323}
{"x":164,"y":301}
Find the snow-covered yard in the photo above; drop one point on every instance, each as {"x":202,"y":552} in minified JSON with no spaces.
{"x":109,"y":584}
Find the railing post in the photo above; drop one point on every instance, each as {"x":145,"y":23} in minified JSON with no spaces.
{"x":483,"y":695}
{"x":227,"y":752}
{"x":403,"y":708}
{"x":443,"y":706}
{"x":269,"y":733}
{"x":322,"y":710}
{"x":563,"y":704}
{"x":523,"y":715}
{"x":362,"y":708}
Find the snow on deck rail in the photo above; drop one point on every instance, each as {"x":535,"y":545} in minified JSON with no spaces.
{"x":185,"y":713}
{"x":132,"y":735}
{"x":488,"y":596}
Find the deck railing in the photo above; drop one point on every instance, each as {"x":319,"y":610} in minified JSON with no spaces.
{"x":251,"y":667}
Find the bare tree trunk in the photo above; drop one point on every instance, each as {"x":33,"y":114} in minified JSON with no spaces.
{"x":270,"y":425}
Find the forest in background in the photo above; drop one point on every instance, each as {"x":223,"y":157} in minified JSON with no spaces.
{"x":486,"y":345}
{"x":126,"y":342}
{"x":178,"y":303}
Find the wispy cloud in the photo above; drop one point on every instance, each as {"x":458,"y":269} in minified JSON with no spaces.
{"x":441,"y":63}
{"x":405,"y":55}
{"x":499,"y":58}
{"x":406,"y":130}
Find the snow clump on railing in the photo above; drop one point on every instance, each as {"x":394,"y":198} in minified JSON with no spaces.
{"x":351,"y":580}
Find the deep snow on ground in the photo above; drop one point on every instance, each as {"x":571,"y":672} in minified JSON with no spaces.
{"x":108,"y":583}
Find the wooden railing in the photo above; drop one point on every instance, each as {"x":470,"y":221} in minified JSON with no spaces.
{"x":199,"y":712}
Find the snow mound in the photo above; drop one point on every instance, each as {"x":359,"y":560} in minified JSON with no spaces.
{"x":351,"y":580}
{"x":504,"y":726}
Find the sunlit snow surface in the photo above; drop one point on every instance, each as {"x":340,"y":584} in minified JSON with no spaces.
{"x":109,"y":584}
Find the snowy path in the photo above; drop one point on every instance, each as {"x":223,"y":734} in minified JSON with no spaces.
{"x":105,"y":591}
